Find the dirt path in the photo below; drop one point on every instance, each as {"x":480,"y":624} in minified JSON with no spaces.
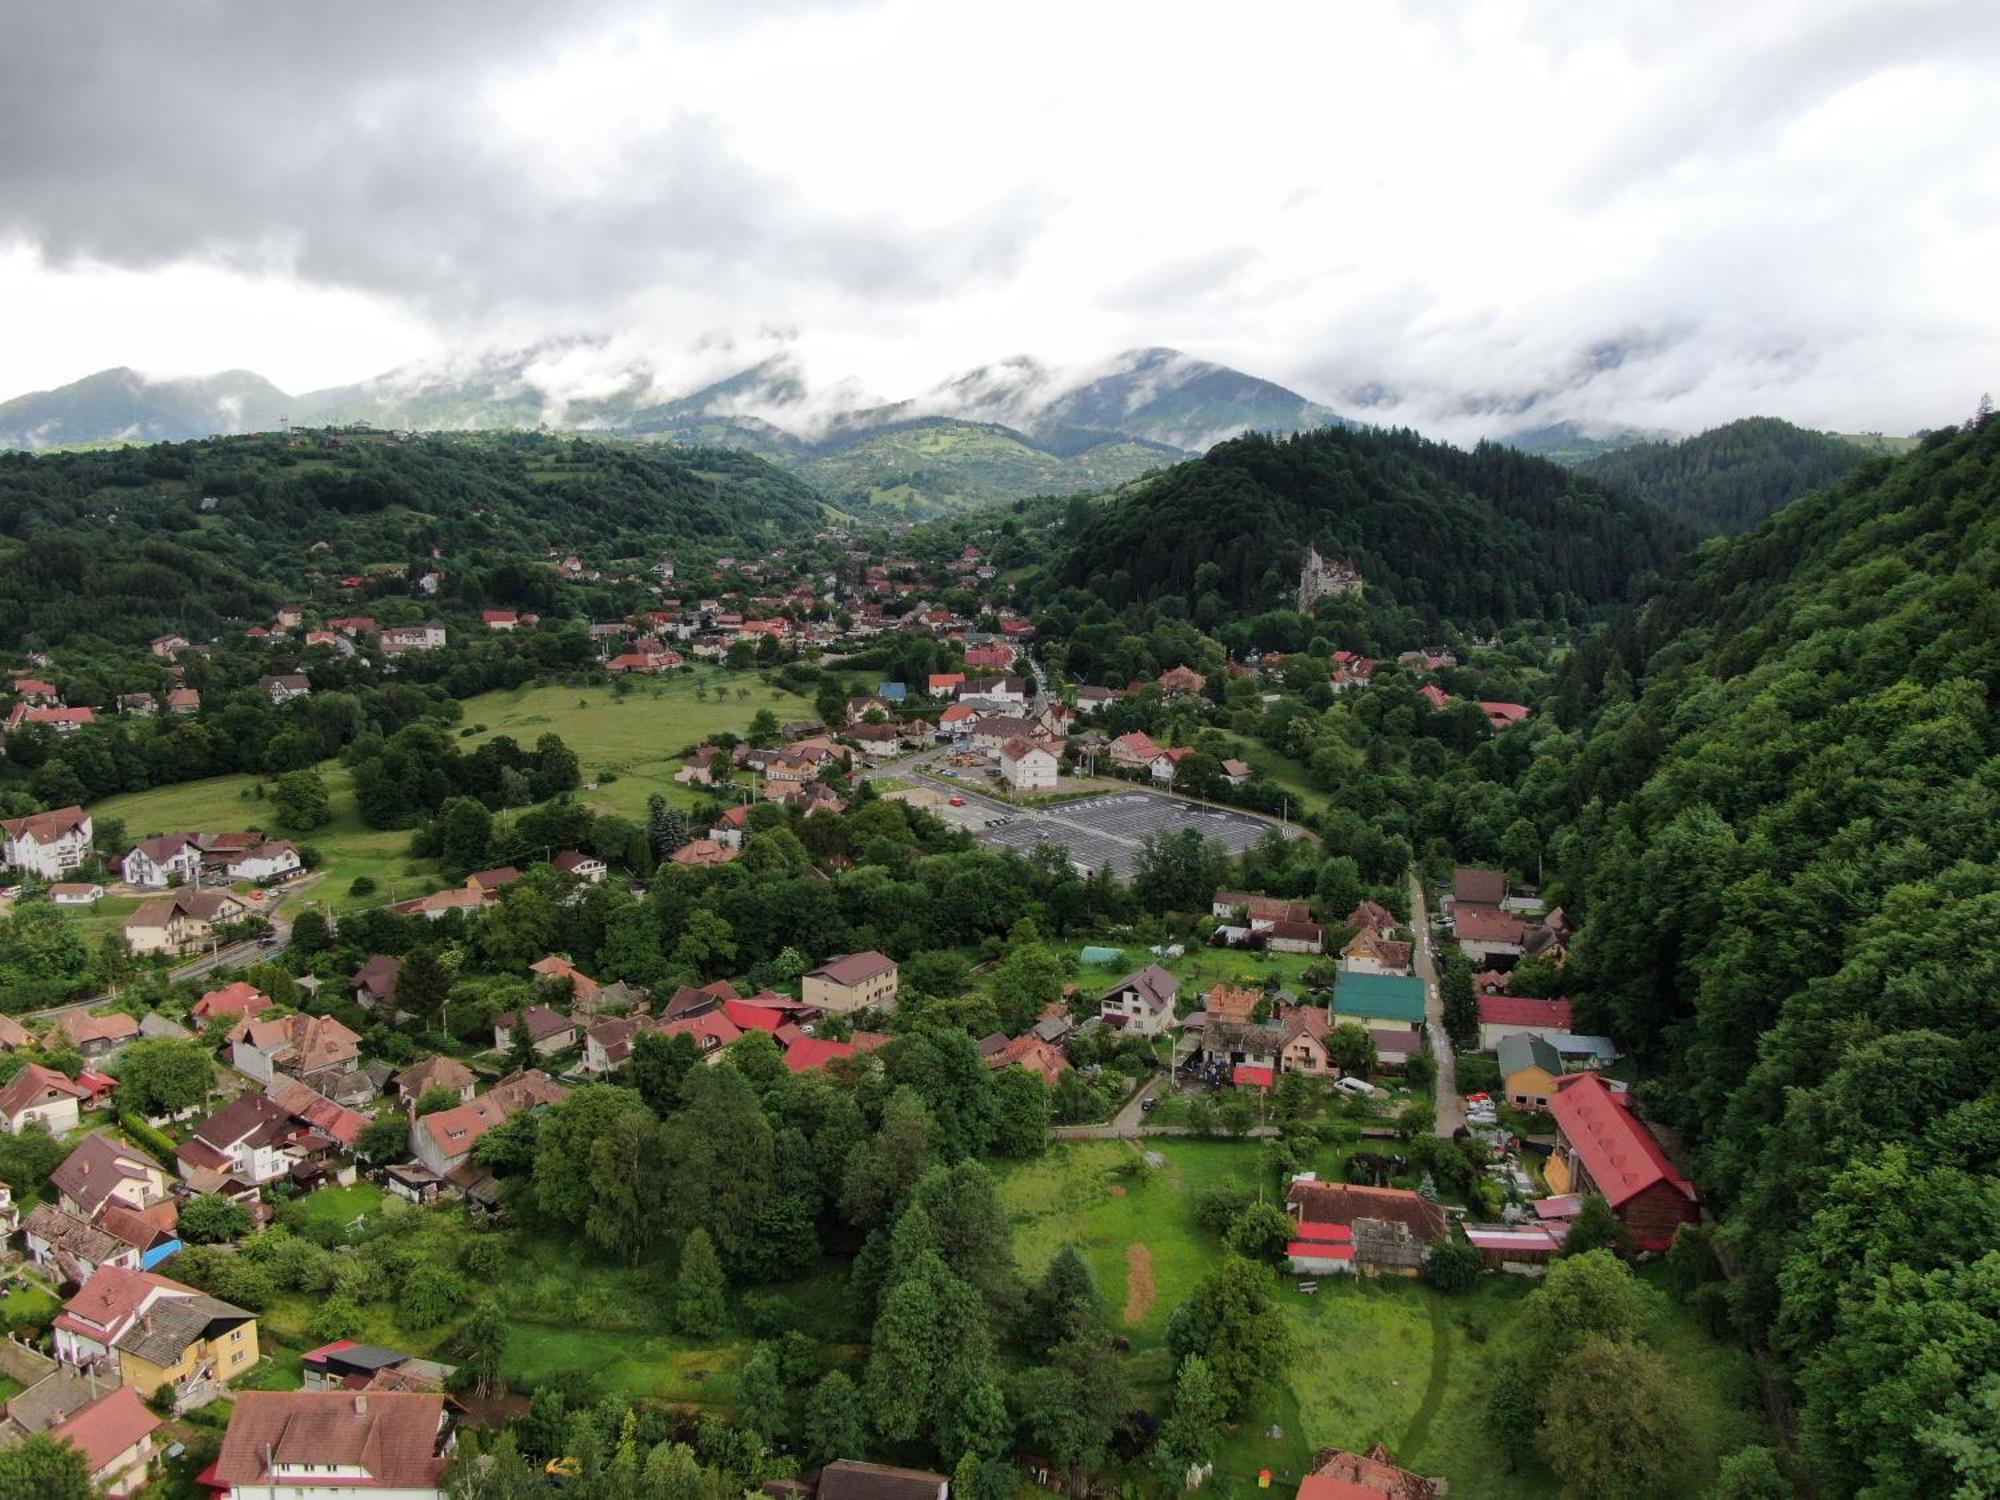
{"x":1138,"y":1283}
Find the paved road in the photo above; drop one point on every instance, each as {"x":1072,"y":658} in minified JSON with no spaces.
{"x":240,"y":954}
{"x":1450,"y":1107}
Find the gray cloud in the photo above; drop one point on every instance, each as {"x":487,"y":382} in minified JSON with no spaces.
{"x":1461,"y":214}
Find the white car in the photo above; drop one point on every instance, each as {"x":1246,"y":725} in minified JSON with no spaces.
{"x":1359,"y":1087}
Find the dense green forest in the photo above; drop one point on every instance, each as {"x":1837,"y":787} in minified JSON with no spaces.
{"x":1486,"y":537}
{"x":1780,"y":815}
{"x":1729,"y":478}
{"x":126,"y":544}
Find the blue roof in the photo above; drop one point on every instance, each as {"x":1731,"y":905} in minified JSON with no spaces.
{"x":1379,"y":997}
{"x":893,"y":692}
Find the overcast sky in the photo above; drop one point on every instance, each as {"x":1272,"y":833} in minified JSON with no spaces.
{"x":1667,"y":215}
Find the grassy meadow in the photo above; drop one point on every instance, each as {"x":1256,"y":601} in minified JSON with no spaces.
{"x":638,"y":738}
{"x":1378,"y":1360}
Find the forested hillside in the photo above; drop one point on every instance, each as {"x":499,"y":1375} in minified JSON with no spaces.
{"x":131,"y":542}
{"x":1728,"y":479}
{"x":1782,"y":820}
{"x":1479,"y":538}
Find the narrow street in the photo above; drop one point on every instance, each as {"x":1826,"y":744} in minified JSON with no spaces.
{"x":1450,"y":1107}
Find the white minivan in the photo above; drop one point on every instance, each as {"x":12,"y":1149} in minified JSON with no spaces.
{"x":1357,"y":1086}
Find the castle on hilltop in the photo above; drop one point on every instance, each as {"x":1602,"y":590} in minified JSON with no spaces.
{"x":1324,"y":578}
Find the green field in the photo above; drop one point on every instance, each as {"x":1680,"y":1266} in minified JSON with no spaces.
{"x":348,"y":848}
{"x":1388,"y":1360}
{"x":639,"y":737}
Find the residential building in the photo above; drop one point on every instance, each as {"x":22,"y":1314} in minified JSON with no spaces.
{"x":1142,"y":1003}
{"x":1506,"y":1015}
{"x":1340,"y":1475}
{"x":375,"y":983}
{"x":154,"y":1334}
{"x":180,"y":923}
{"x":238,"y":1000}
{"x":79,"y":893}
{"x":443,"y":1142}
{"x":39,"y":1095}
{"x":1529,"y":1069}
{"x":268,"y":862}
{"x":114,"y":1433}
{"x":1392,"y":1229}
{"x":72,"y":1249}
{"x":96,"y":1037}
{"x":855,"y":981}
{"x":1294,"y":937}
{"x":1603,"y":1147}
{"x":102,"y":1173}
{"x":1134,"y":752}
{"x":283,"y":687}
{"x":585,"y":867}
{"x":1042,"y":1058}
{"x":845,"y":1479}
{"x":1474,"y":886}
{"x":1028,"y":765}
{"x":1261,"y":911}
{"x":304,"y":1047}
{"x":550,"y":1031}
{"x":247,"y":1138}
{"x":1384,"y":1003}
{"x":336,"y":1444}
{"x":1484,"y":933}
{"x":1303,"y":1049}
{"x":49,"y":844}
{"x":436,"y":1073}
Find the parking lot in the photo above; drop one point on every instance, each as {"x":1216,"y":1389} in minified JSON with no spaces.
{"x":1106,"y":831}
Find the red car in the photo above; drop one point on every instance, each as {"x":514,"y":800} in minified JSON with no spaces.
{"x":958,"y":802}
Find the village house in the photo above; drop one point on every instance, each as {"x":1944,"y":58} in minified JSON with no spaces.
{"x":1134,"y":752}
{"x":71,"y":1249}
{"x":268,"y":862}
{"x":246,"y":1139}
{"x":1028,"y":765}
{"x":96,"y":1037}
{"x":499,"y":619}
{"x":55,"y":720}
{"x":430,"y":636}
{"x":180,"y":923}
{"x":1390,"y":1006}
{"x":68,"y":893}
{"x":39,"y":1095}
{"x":729,"y":827}
{"x":162,"y":861}
{"x":103,"y":1173}
{"x":585,"y":867}
{"x":844,"y":1479}
{"x":855,"y":981}
{"x":239,"y":1000}
{"x":114,"y":1433}
{"x":1303,"y":1047}
{"x":156,"y":1334}
{"x":1603,"y":1147}
{"x":1340,"y":1475}
{"x":1142,"y":1003}
{"x":375,"y":983}
{"x":436,"y":1073}
{"x":1042,"y":1058}
{"x":557,"y":970}
{"x":443,"y":1142}
{"x":49,"y":844}
{"x":1371,"y":951}
{"x":1472,"y":885}
{"x":1392,"y":1229}
{"x":1294,"y":937}
{"x":1260,"y":911}
{"x":550,"y":1031}
{"x":283,"y":687}
{"x":1529,"y":1068}
{"x":1501,"y":1016}
{"x":335,"y":1443}
{"x":312,"y":1049}
{"x":701,"y":853}
{"x":1485,"y":934}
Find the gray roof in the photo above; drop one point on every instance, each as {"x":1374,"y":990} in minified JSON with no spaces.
{"x":72,"y":1235}
{"x":162,"y":1333}
{"x":1153,"y":984}
{"x":1523,"y":1049}
{"x":52,"y":1399}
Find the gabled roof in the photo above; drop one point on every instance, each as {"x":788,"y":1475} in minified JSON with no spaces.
{"x":35,"y":1084}
{"x":238,"y":999}
{"x":1385,"y":997}
{"x":1479,"y":886}
{"x":98,"y":1168}
{"x":542,"y":1023}
{"x":248,"y":1118}
{"x":1616,"y":1148}
{"x":396,"y":1437}
{"x":1153,"y":984}
{"x":107,"y":1427}
{"x":1516,"y":1010}
{"x":1520,"y":1050}
{"x":845,"y":1479}
{"x":70,"y":1234}
{"x":161,"y":1334}
{"x":1475,"y":924}
{"x":1321,"y":1202}
{"x":855,"y":968}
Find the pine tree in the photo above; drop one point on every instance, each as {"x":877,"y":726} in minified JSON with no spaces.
{"x":1461,"y":1005}
{"x":666,"y":829}
{"x":700,"y":1308}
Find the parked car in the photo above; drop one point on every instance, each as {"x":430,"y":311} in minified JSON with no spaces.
{"x":958,"y":802}
{"x":1359,"y":1087}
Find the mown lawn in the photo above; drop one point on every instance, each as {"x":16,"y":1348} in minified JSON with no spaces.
{"x":338,"y":1207}
{"x":640,"y":737}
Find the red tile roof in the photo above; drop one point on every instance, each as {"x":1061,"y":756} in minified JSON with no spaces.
{"x":1616,"y":1148}
{"x":107,"y":1427}
{"x":395,"y":1437}
{"x":1515,"y":1010}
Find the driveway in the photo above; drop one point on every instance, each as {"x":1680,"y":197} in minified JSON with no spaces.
{"x":1450,"y":1107}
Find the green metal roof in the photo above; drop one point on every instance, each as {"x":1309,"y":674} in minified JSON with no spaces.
{"x":1379,"y":997}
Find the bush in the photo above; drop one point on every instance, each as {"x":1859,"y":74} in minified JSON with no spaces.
{"x":361,"y":885}
{"x":1216,"y":1206}
{"x":156,"y":1142}
{"x":1453,"y":1267}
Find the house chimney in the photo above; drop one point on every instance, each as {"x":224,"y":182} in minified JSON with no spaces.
{"x":360,"y":1403}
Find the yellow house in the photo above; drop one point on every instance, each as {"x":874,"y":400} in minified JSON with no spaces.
{"x":856,"y":981}
{"x":194,"y":1345}
{"x":1529,"y":1066}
